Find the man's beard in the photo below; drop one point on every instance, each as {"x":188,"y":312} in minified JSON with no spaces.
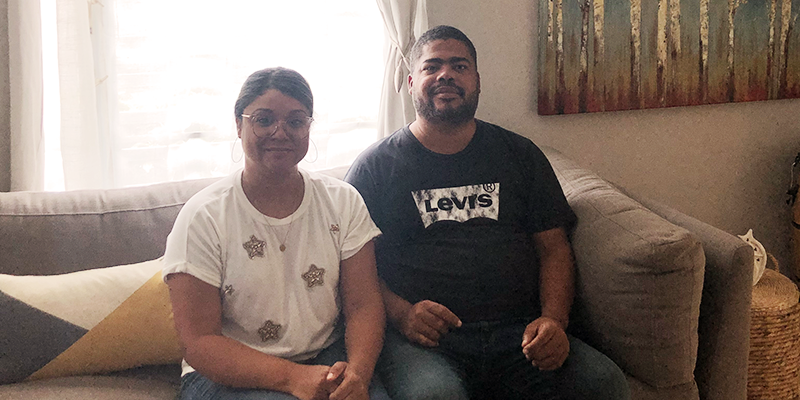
{"x":450,"y":115}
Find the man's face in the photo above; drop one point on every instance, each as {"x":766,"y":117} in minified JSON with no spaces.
{"x":445,"y":83}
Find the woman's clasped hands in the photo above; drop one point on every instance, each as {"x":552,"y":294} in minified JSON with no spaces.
{"x":338,"y":382}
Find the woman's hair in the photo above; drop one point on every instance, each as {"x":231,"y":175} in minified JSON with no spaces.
{"x":287,"y":81}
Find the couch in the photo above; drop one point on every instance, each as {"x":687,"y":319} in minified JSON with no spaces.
{"x":663,"y":294}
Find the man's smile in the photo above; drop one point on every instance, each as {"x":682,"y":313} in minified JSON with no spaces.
{"x":447,"y":89}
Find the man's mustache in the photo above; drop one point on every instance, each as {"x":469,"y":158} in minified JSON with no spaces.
{"x":435,"y":88}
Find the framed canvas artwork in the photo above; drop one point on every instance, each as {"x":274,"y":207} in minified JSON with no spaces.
{"x":607,"y":55}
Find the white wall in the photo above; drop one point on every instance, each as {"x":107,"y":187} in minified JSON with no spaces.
{"x":726,"y":164}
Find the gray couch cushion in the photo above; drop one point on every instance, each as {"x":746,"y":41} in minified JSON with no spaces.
{"x":639,"y":280}
{"x":724,"y":332}
{"x":45,"y":233}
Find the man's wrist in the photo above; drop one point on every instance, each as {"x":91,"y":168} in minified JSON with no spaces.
{"x":397,"y":312}
{"x":563,"y":322}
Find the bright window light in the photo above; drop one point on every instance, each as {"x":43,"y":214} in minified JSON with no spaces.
{"x":180,"y":65}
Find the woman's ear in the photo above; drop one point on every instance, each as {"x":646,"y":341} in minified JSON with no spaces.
{"x":239,"y":127}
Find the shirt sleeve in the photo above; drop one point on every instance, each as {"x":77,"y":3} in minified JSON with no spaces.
{"x":360,"y":176}
{"x":193,"y":247}
{"x":361,"y":229}
{"x":548,"y":206}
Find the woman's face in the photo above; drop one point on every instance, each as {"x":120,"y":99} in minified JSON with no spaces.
{"x":283,"y":149}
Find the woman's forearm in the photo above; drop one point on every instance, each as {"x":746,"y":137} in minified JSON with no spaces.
{"x":196,"y":308}
{"x":364,"y":312}
{"x":364,"y":337}
{"x":231,"y":363}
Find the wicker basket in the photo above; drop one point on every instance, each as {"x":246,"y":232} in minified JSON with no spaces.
{"x":774,"y":364}
{"x":796,"y":238}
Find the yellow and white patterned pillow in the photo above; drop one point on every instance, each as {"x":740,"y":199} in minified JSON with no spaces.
{"x":85,"y":322}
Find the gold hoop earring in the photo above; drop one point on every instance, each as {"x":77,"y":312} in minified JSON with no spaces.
{"x":316,"y":153}
{"x":233,"y":147}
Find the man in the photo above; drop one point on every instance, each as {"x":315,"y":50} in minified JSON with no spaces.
{"x":476,"y":268}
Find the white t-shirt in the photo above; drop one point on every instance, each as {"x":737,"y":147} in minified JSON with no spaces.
{"x":220,"y":238}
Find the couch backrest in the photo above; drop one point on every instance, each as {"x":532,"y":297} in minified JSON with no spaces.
{"x":44,"y":233}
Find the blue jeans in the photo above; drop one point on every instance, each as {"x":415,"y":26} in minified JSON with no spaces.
{"x":197,"y":387}
{"x":484,"y":360}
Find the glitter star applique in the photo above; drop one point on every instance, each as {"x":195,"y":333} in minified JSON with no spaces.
{"x":254,"y":247}
{"x":229,"y":290}
{"x":314,"y":276}
{"x":270,"y":331}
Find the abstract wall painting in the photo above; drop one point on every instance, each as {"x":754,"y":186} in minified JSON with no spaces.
{"x":608,"y":55}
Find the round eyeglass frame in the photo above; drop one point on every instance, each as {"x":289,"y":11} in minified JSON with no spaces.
{"x":281,"y":123}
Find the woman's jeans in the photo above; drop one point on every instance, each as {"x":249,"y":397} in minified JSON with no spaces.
{"x":197,"y":387}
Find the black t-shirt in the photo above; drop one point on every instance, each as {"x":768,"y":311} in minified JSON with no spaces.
{"x":457,"y":229}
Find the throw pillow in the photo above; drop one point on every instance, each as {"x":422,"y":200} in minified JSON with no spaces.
{"x":639,"y":280}
{"x":86,"y":322}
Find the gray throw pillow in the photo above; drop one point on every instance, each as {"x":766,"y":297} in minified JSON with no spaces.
{"x":639,"y":280}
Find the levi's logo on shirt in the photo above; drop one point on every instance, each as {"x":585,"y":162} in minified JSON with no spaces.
{"x":458,"y":204}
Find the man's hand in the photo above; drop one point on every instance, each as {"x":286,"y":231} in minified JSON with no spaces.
{"x":351,"y":385}
{"x":545,"y":344}
{"x":427,"y":321}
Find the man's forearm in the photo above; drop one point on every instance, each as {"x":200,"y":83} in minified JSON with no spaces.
{"x":557,"y":291}
{"x":556,"y":276}
{"x":396,"y":306}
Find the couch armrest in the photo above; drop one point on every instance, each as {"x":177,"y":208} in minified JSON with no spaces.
{"x":724,"y":330}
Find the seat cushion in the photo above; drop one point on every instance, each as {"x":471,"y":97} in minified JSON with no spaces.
{"x":639,"y":280}
{"x":152,"y":383}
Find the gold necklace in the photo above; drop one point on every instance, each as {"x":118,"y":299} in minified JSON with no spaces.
{"x":282,"y":247}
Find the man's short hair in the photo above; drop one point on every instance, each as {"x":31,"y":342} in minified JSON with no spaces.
{"x":441,"y":32}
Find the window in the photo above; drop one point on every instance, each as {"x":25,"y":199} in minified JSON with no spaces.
{"x":176,"y":69}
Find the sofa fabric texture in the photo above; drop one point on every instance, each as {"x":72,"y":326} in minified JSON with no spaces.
{"x":633,"y":265}
{"x":724,"y":323}
{"x":640,"y":265}
{"x":46,"y":233}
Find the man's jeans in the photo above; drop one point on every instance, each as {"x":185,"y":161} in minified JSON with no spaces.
{"x":484,"y":360}
{"x":197,"y":387}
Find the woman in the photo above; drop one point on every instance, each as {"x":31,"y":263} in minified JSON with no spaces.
{"x":259,"y":262}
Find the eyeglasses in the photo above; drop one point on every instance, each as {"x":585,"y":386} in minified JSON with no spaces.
{"x":267,"y":126}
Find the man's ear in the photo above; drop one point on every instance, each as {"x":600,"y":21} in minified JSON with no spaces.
{"x":239,"y":127}
{"x":410,"y":83}
{"x":479,"y":82}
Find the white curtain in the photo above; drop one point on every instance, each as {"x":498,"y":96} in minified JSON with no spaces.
{"x":405,"y":21}
{"x":84,"y":148}
{"x":84,"y":153}
{"x":25,"y":76}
